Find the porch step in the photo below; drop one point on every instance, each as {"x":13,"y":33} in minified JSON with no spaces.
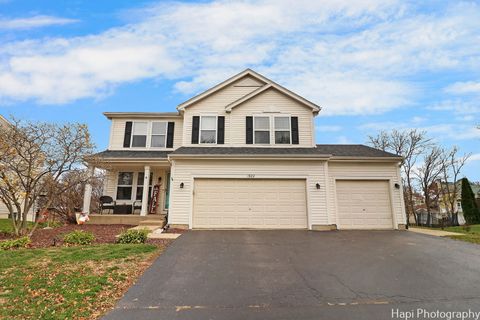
{"x":159,"y":223}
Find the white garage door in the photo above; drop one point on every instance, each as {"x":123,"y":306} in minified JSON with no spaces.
{"x":364,"y":205}
{"x":249,"y":203}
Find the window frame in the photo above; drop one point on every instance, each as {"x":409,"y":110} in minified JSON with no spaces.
{"x":289,"y":117}
{"x":156,"y":134}
{"x":134,"y":123}
{"x":125,"y":185}
{"x":269,"y":117}
{"x":200,"y":129}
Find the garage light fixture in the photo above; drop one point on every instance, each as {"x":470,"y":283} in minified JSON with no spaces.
{"x":181,"y":185}
{"x":397,"y":186}
{"x":318,"y":186}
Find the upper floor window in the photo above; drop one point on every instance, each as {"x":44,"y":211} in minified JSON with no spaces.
{"x":139,"y":136}
{"x":261,"y":128}
{"x":159,"y":135}
{"x":208,"y":129}
{"x":282,"y":130}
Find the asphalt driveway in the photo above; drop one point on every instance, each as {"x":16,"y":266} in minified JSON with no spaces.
{"x":305,"y":275}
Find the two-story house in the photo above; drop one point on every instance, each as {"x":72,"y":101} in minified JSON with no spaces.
{"x":243,"y":155}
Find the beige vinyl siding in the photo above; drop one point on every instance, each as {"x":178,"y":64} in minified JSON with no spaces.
{"x":185,"y":171}
{"x":117,"y":132}
{"x":274,"y":103}
{"x":364,"y":171}
{"x":3,"y":211}
{"x":214,"y":105}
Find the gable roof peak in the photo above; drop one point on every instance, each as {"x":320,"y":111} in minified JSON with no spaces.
{"x":267,"y":84}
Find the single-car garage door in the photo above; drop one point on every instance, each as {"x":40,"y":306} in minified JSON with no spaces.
{"x":364,"y":204}
{"x":249,"y":203}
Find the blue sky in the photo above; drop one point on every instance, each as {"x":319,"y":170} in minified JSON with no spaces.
{"x":372,"y":65}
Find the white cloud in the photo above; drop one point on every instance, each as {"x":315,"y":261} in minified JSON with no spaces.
{"x":464,"y":87}
{"x":350,"y":57}
{"x":328,"y":128}
{"x":474,"y":157}
{"x":457,"y":106}
{"x":33,"y":22}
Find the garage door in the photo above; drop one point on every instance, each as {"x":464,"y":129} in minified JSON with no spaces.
{"x":249,"y":203}
{"x":364,"y":205}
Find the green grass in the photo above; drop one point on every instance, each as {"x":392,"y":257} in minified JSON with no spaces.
{"x":68,"y":282}
{"x":472,"y":235}
{"x":474,"y":229}
{"x":7,"y":227}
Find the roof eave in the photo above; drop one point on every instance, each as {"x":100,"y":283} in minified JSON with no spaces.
{"x":250,"y":156}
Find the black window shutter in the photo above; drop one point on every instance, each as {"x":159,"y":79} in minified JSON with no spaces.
{"x":249,"y":131}
{"x":294,"y":122}
{"x":195,"y":129}
{"x":170,"y":132}
{"x":128,"y":134}
{"x":221,"y":130}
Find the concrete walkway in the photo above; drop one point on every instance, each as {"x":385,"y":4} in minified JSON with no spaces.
{"x":433,"y":232}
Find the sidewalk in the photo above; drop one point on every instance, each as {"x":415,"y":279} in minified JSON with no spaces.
{"x":433,"y":232}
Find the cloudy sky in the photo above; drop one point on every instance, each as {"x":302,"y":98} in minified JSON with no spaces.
{"x":371,"y":64}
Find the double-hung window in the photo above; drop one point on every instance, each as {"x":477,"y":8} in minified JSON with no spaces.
{"x":282,"y":130}
{"x":139,"y":136}
{"x":208,"y":129}
{"x":261,"y":128}
{"x":124,"y":186}
{"x":141,"y":176}
{"x":159,"y":135}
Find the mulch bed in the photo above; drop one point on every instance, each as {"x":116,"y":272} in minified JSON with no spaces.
{"x":44,"y":238}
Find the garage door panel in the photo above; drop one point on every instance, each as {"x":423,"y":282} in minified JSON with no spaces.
{"x":364,"y":204}
{"x":252,"y":203}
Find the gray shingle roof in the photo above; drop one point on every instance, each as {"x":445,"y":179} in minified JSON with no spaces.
{"x":353,"y":150}
{"x":133,"y":154}
{"x":322,"y":149}
{"x":336,"y":150}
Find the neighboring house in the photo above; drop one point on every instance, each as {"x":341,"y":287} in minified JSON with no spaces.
{"x":243,"y":155}
{"x":4,"y":213}
{"x":440,"y":201}
{"x":3,"y":208}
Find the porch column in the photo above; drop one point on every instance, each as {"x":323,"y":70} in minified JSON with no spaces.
{"x":146,"y":185}
{"x":87,"y":195}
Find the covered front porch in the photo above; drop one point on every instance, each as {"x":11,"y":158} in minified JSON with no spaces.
{"x":132,"y":191}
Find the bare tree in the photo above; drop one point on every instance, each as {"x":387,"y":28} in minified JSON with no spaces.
{"x":409,"y":144}
{"x":70,"y":200}
{"x":452,"y":165}
{"x":34,"y":157}
{"x":427,"y":173}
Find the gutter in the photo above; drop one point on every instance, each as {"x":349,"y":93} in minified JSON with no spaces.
{"x":251,"y":156}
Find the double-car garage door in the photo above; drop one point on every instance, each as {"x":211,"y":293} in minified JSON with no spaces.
{"x":250,"y":204}
{"x":282,"y":204}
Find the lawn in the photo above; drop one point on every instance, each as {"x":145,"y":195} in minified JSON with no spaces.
{"x":472,"y":235}
{"x":69,"y":282}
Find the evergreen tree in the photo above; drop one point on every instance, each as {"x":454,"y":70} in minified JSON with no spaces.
{"x":469,"y":205}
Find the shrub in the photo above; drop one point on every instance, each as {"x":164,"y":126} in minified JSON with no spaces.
{"x":78,"y":237}
{"x":22,"y":242}
{"x":133,"y":236}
